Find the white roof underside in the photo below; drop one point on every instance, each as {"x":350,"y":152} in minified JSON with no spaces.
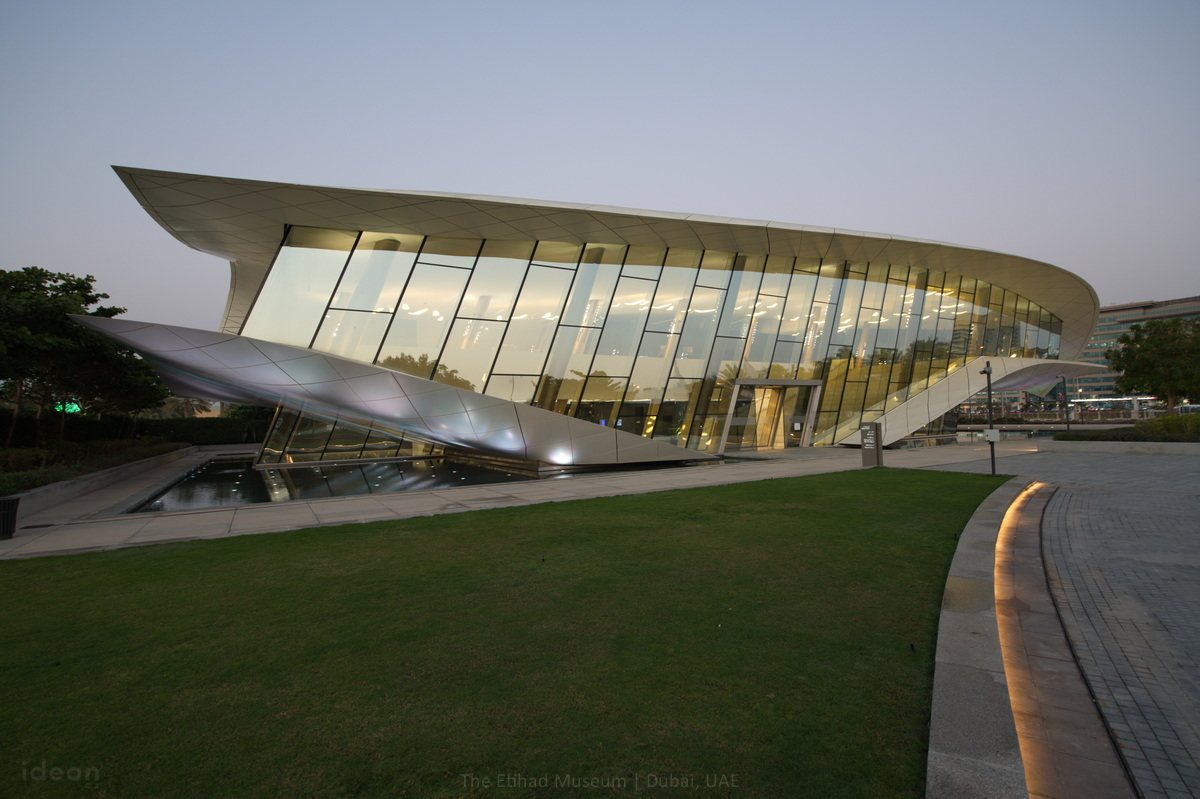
{"x":242,"y":221}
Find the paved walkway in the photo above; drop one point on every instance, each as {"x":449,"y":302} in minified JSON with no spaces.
{"x":93,"y":522}
{"x":1121,"y":540}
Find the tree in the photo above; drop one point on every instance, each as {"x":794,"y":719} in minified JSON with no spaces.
{"x":1161,"y":357}
{"x":47,"y":359}
{"x":423,"y":366}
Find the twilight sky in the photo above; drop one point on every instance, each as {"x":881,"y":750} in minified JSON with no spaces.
{"x":1063,"y":131}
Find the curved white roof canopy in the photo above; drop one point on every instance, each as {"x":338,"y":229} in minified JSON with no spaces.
{"x":242,"y":221}
{"x":223,"y":366}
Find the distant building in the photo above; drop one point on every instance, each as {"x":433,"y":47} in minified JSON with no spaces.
{"x":1114,"y":321}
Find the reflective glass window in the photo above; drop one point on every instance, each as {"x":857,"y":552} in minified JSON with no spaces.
{"x":421,"y":323}
{"x":534,"y":320}
{"x":764,"y":326}
{"x":799,"y":303}
{"x":623,"y":330}
{"x":496,"y":280}
{"x":699,"y":329}
{"x":450,"y":252}
{"x":816,"y":338}
{"x":292,"y":300}
{"x":652,"y":368}
{"x":743,"y":291}
{"x":561,"y":254}
{"x":777,"y":275}
{"x":377,"y":271}
{"x":676,"y":410}
{"x":591,"y":295}
{"x":470,"y":349}
{"x":876,"y":279}
{"x":715,"y":268}
{"x":345,"y":442}
{"x":308,"y":439}
{"x":514,"y":388}
{"x":643,"y":261}
{"x":567,"y":368}
{"x":674,"y":292}
{"x":829,"y":284}
{"x":352,"y":334}
{"x":601,"y":399}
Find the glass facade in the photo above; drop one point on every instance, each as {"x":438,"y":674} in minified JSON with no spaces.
{"x":650,"y":340}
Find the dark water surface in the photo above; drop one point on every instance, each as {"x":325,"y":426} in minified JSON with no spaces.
{"x":223,"y":484}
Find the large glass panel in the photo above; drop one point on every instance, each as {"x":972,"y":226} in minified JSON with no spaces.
{"x":514,"y":388}
{"x":278,"y":436}
{"x":674,"y":291}
{"x":450,"y":252}
{"x":816,"y":340}
{"x":352,"y":334}
{"x":760,"y":343}
{"x":642,"y":261}
{"x":496,"y":280}
{"x":715,"y":268}
{"x":743,"y":289}
{"x":653,"y":367}
{"x":294,"y":296}
{"x":308,"y":440}
{"x":591,"y":295}
{"x":623,"y":330}
{"x":873,"y":290}
{"x":723,"y":366}
{"x":829,"y":286}
{"x":601,"y":399}
{"x":419,"y":328}
{"x":799,"y":302}
{"x":777,"y":276}
{"x":566,"y":369}
{"x":676,"y":410}
{"x":698,"y":332}
{"x":346,"y":442}
{"x":785,"y":360}
{"x":470,"y":350}
{"x":562,"y":254}
{"x":377,"y":271}
{"x":531,"y":330}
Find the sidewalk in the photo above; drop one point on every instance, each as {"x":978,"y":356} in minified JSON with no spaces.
{"x":1121,"y":544}
{"x":94,"y":522}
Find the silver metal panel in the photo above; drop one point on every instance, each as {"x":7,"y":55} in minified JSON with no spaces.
{"x":390,"y":401}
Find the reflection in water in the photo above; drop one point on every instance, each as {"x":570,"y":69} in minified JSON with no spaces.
{"x":221,"y":484}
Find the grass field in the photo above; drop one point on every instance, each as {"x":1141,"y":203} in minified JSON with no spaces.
{"x":770,"y":639}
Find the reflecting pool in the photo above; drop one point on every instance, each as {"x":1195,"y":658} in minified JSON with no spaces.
{"x":230,"y":483}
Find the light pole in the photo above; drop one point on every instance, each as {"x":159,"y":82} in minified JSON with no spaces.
{"x":1066,"y":402}
{"x":987,"y":372}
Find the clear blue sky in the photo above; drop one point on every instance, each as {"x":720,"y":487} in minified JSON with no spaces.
{"x":1068,"y":132}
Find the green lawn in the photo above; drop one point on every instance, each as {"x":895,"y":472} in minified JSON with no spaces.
{"x":775,"y":638}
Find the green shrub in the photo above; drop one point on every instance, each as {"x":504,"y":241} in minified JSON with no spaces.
{"x":23,"y":469}
{"x":1179,"y":428}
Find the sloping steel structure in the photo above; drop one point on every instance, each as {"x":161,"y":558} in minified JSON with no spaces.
{"x":241,"y":369}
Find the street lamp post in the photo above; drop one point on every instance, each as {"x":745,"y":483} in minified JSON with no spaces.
{"x":1066,"y":402}
{"x":987,"y":372}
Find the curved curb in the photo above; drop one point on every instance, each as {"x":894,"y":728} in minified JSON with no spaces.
{"x":973,"y":747}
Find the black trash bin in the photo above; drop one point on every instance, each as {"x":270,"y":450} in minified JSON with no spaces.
{"x":8,"y":516}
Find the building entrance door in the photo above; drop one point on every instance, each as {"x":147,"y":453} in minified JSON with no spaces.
{"x":768,"y":415}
